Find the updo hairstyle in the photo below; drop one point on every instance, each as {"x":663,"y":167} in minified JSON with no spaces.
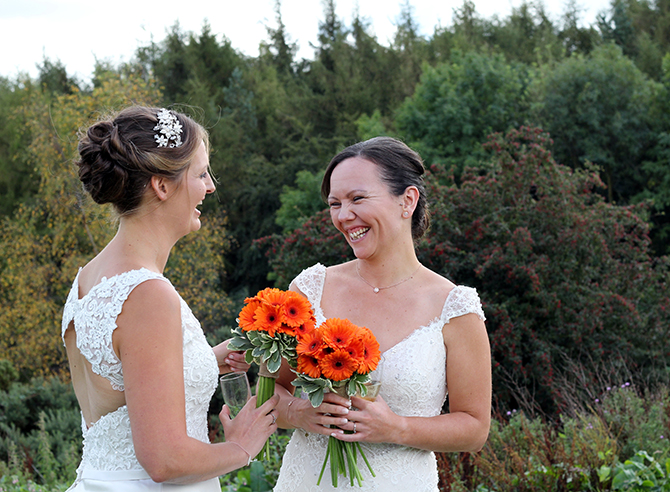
{"x":118,"y":156}
{"x":399,"y":167}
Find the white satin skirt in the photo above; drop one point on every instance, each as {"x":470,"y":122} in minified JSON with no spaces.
{"x":134,"y":481}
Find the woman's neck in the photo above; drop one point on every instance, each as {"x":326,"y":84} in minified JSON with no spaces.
{"x":383,"y":272}
{"x":142,"y":242}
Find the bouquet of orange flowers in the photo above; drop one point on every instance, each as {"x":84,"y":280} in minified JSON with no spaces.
{"x":271,"y":324}
{"x":337,"y":357}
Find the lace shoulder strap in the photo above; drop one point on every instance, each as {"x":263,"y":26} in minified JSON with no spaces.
{"x":462,"y":300}
{"x":310,"y":282}
{"x":70,"y":305}
{"x":94,"y":317}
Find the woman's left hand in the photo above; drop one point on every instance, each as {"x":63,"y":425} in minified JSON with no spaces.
{"x":228,"y":360}
{"x":372,"y":421}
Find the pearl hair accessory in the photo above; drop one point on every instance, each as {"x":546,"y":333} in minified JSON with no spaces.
{"x":168,"y":128}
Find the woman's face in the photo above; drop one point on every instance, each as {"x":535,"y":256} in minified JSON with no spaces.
{"x":363,"y":209}
{"x":196,"y":184}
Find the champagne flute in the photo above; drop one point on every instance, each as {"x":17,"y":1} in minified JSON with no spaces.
{"x":373,"y":388}
{"x":375,"y":383}
{"x":236,"y":391}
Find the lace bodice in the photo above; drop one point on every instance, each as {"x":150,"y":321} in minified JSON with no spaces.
{"x":108,"y":443}
{"x":413,"y":375}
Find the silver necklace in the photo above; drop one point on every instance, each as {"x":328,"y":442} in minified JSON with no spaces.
{"x":377,"y":289}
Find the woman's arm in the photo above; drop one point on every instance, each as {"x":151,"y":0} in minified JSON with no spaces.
{"x":466,"y":426}
{"x":149,"y":343}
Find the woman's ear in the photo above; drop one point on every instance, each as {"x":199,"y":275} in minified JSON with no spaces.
{"x":161,"y":187}
{"x":409,"y":200}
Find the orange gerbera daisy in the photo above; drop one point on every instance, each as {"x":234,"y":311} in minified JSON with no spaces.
{"x":371,"y":353}
{"x":275,"y":297}
{"x":337,"y":333}
{"x":309,"y":365}
{"x":297,"y":309}
{"x":356,"y":349}
{"x":246,"y":319}
{"x":268,"y":318}
{"x":305,"y":328}
{"x":338,"y":365}
{"x":310,"y":344}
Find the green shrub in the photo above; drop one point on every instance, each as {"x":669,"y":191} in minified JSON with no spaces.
{"x":641,"y":473}
{"x":526,"y":454}
{"x":637,"y":420}
{"x":40,"y":431}
{"x":258,"y":476}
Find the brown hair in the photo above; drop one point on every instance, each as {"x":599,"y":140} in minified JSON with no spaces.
{"x":119,"y":155}
{"x":399,"y":166}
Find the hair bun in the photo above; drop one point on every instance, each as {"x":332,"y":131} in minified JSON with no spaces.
{"x":121,"y":153}
{"x":100,"y":168}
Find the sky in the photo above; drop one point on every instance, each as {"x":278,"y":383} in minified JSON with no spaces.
{"x":79,"y":32}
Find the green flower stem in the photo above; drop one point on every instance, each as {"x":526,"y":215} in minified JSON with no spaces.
{"x":360,"y":450}
{"x":264,"y":391}
{"x":344,"y":455}
{"x":325,"y":462}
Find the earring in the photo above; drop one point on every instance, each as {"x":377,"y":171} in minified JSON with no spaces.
{"x":405,"y":213}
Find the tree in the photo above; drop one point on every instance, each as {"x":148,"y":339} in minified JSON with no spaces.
{"x":457,"y":104}
{"x":17,"y":179}
{"x":576,"y":39}
{"x":281,"y":51}
{"x":53,"y":78}
{"x":597,"y":109}
{"x":527,"y":35}
{"x":301,"y":202}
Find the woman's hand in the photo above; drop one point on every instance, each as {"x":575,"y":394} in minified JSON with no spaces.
{"x":228,"y":360}
{"x":332,"y":412}
{"x":372,"y":421}
{"x":252,"y":426}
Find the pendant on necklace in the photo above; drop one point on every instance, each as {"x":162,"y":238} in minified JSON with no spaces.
{"x":375,"y":290}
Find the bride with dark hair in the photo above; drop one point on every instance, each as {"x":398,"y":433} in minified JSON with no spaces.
{"x":431,"y":334}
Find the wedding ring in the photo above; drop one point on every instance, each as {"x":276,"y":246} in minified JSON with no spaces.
{"x":354,"y":427}
{"x":274,"y":418}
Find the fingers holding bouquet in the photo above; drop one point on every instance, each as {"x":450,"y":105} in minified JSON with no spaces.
{"x":369,"y":421}
{"x":332,"y":413}
{"x":230,"y":360}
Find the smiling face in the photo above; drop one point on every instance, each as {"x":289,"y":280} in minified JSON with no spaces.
{"x":363,"y":209}
{"x":195,"y":185}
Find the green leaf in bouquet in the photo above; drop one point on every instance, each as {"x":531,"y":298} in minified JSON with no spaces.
{"x":358,"y":381}
{"x":274,"y":362}
{"x":253,"y":337}
{"x":248,"y":357}
{"x":351,"y":387}
{"x":316,"y":397}
{"x":259,"y":353}
{"x":240,"y":341}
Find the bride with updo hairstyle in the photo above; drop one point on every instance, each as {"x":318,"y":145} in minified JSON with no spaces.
{"x":118,"y":157}
{"x":141,"y":368}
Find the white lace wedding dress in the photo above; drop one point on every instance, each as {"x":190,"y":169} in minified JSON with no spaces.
{"x":413,"y":375}
{"x":108,"y":460}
